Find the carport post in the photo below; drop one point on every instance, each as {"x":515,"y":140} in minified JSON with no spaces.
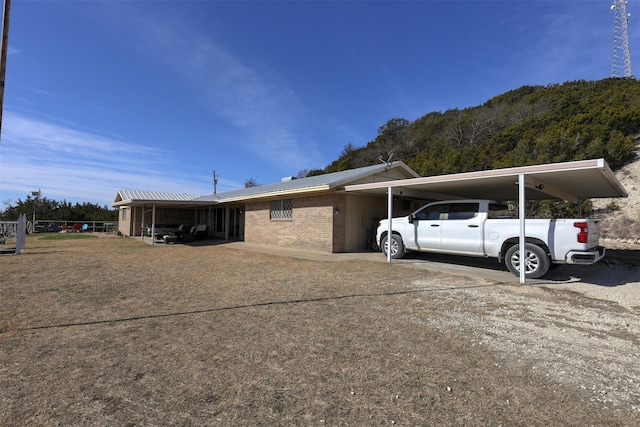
{"x":133,"y":222}
{"x":153,"y":225}
{"x":521,"y":214}
{"x":227,"y":222}
{"x":389,"y":216}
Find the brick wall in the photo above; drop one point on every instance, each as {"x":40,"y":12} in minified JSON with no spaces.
{"x":312,"y":225}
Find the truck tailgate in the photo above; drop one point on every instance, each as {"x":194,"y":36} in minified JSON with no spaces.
{"x":594,"y":232}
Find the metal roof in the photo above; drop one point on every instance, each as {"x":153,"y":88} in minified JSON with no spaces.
{"x":329,"y":181}
{"x":124,"y":197}
{"x":585,"y":179}
{"x":571,"y":181}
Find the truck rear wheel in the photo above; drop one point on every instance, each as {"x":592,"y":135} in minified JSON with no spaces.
{"x":535,"y":261}
{"x":397,"y":247}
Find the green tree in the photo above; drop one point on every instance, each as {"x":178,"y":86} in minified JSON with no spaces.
{"x":48,"y":209}
{"x":619,"y":149}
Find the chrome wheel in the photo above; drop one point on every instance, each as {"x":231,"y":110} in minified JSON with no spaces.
{"x":397,"y":248}
{"x":535,"y":261}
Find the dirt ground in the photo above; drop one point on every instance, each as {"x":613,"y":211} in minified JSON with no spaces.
{"x":110,"y":331}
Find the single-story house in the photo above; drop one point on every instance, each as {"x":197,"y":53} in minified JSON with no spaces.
{"x":313,"y":213}
{"x":338,"y":212}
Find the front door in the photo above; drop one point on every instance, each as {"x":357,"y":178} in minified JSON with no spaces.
{"x":236,"y":223}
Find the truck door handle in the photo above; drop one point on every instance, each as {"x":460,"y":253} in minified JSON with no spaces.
{"x":473,"y":225}
{"x":435,"y":225}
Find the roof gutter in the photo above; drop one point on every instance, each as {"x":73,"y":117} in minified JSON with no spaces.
{"x":275,"y":194}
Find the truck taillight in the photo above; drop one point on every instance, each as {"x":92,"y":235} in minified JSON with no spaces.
{"x":583,"y":234}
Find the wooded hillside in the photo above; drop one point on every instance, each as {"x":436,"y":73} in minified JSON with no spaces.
{"x":530,"y":125}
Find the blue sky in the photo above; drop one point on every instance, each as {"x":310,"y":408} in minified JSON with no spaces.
{"x":155,"y":95}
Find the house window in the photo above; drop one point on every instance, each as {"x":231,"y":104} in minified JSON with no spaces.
{"x":124,"y":214}
{"x":281,"y":209}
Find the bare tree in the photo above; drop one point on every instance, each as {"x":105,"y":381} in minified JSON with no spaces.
{"x":251,"y":182}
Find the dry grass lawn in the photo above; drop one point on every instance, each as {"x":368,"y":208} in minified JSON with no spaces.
{"x":113,"y":332}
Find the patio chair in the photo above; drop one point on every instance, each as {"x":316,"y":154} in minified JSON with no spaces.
{"x":201,"y":232}
{"x":189,"y":237}
{"x":179,"y":231}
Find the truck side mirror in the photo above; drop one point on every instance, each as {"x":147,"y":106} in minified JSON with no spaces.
{"x":412,"y":217}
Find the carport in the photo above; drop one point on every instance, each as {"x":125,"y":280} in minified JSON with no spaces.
{"x":570,"y":181}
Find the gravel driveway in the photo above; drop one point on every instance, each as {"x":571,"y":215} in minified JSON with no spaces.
{"x":580,"y":326}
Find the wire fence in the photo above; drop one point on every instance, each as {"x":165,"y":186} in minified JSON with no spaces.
{"x":50,"y":226}
{"x":9,"y":229}
{"x":13,"y":233}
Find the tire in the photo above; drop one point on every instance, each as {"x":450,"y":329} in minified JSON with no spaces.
{"x":536,"y":261}
{"x":397,"y":247}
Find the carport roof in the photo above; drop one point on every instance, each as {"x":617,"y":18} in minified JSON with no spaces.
{"x":570,"y":181}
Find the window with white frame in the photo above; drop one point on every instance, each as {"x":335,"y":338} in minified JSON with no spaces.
{"x":124,"y":214}
{"x":281,"y":209}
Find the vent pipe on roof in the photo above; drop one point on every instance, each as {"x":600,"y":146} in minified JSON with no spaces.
{"x":215,"y":182}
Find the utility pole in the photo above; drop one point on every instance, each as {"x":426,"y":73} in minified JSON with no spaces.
{"x":3,"y":56}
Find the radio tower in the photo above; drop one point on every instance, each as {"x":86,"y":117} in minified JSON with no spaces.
{"x":621,"y":58}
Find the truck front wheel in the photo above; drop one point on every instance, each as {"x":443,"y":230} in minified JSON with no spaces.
{"x":397,"y":247}
{"x":535,"y":261}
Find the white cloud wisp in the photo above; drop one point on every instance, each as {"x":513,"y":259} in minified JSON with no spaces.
{"x":75,"y":165}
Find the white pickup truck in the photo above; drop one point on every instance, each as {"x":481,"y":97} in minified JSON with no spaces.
{"x":483,"y":228}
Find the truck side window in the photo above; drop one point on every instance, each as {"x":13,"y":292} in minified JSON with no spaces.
{"x":463,"y":210}
{"x":431,"y":212}
{"x":499,"y":210}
